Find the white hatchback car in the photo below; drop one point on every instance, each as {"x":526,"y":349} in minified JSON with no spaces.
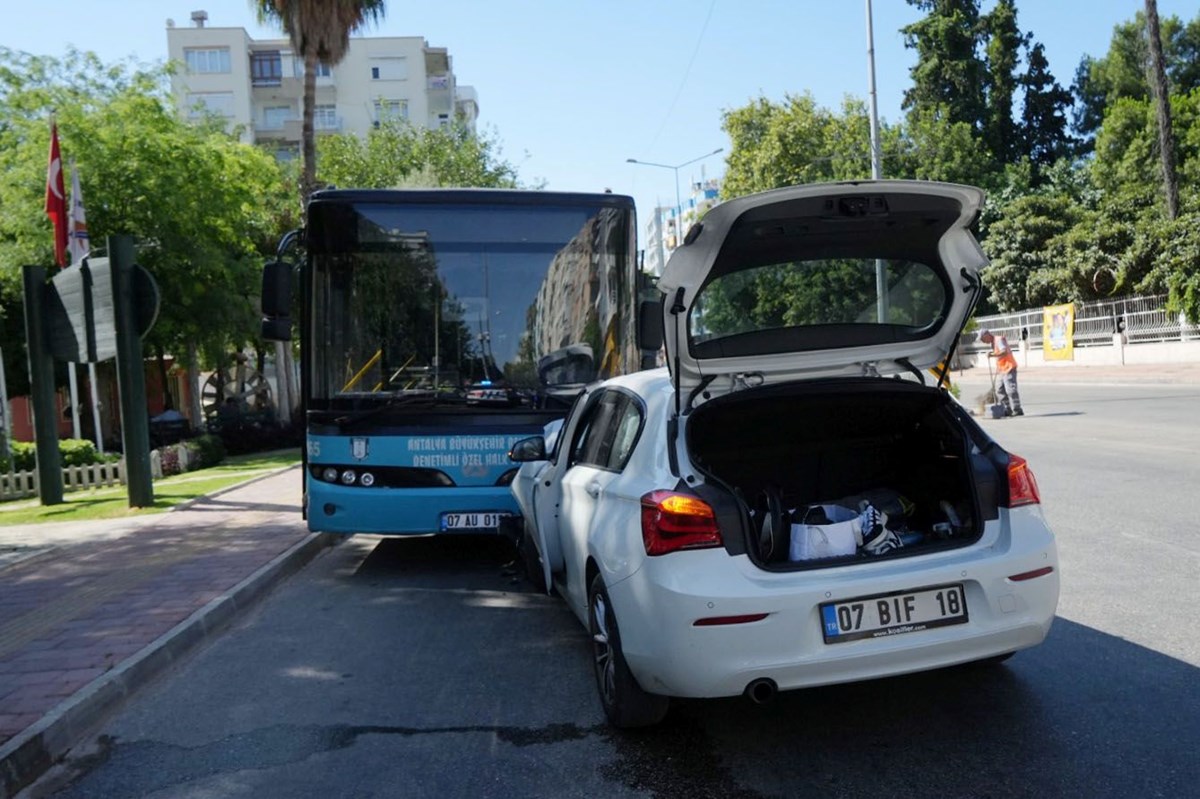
{"x":796,"y":501}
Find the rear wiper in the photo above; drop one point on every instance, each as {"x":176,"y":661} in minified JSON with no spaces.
{"x":352,"y":419}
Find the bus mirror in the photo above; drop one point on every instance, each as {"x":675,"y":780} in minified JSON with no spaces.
{"x":650,"y":325}
{"x":277,"y":289}
{"x":277,"y":329}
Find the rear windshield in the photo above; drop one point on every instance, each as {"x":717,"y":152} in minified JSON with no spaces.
{"x":821,"y":303}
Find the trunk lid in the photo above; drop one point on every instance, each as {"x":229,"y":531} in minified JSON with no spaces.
{"x":785,"y":284}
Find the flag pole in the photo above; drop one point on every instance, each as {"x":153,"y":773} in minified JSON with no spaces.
{"x":78,"y":244}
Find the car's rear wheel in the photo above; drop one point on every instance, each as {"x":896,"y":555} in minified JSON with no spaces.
{"x":625,"y":703}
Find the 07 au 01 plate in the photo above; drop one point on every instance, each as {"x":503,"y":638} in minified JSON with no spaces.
{"x":472,"y":520}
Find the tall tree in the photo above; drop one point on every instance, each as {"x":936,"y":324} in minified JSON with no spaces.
{"x":1162,"y":104}
{"x":1122,"y":71}
{"x":320,"y":32}
{"x":1044,"y":136}
{"x":949,"y":74}
{"x":1003,"y":43}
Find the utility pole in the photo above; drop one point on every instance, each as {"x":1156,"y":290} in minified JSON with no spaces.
{"x":1162,"y":102}
{"x":881,"y":286}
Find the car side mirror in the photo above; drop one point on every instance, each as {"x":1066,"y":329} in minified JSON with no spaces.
{"x":528,"y":449}
{"x":650,"y":325}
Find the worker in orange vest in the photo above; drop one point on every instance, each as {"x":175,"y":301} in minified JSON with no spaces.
{"x":1006,"y":390}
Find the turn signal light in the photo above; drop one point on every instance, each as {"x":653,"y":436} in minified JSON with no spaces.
{"x":1022,"y":486}
{"x":672,"y":521}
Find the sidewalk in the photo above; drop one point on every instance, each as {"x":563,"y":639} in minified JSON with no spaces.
{"x":1173,"y":373}
{"x":89,"y":612}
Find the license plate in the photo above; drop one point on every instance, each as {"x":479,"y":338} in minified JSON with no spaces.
{"x":472,"y":521}
{"x":893,"y":614}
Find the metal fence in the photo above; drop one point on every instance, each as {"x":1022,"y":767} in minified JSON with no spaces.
{"x":1142,"y":319}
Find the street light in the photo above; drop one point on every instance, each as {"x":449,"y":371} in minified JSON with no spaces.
{"x":675,"y":168}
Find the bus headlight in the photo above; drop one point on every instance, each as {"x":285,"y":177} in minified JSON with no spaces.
{"x":348,"y":477}
{"x":367,"y":479}
{"x":329,"y":475}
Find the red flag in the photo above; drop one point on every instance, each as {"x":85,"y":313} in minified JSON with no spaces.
{"x":56,"y":201}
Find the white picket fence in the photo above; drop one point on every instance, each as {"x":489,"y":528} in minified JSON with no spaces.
{"x":18,"y":485}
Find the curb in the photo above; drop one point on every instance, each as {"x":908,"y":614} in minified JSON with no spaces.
{"x":27,"y":756}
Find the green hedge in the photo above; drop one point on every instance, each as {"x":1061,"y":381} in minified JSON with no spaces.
{"x":203,"y":451}
{"x":72,"y":451}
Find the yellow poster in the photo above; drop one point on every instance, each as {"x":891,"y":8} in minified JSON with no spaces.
{"x":1058,"y":332}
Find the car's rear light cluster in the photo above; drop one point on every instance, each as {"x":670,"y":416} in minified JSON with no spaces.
{"x":672,"y":521}
{"x":1022,"y":486}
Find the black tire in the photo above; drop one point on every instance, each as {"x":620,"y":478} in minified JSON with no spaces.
{"x":530,"y":561}
{"x":625,"y":703}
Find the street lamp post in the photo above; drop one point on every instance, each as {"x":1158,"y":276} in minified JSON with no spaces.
{"x":675,"y":168}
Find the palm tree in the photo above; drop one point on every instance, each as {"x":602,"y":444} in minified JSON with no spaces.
{"x":320,"y":32}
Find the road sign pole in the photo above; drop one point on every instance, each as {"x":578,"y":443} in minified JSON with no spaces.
{"x":41,"y":388}
{"x":131,"y":378}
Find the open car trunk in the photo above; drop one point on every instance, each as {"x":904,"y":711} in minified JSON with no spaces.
{"x":842,"y":445}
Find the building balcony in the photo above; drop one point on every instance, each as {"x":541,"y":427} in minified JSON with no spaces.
{"x":292,"y":129}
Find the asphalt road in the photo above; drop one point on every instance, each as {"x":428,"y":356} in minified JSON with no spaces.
{"x":419,"y":668}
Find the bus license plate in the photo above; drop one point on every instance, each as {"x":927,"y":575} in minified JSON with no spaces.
{"x":893,"y":614}
{"x":471,"y":521}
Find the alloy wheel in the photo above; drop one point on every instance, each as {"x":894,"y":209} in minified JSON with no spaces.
{"x":602,"y":652}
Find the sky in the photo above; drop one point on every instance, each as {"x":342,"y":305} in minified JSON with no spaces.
{"x":571,"y":90}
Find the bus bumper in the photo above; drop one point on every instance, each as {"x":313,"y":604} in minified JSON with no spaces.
{"x":408,"y":511}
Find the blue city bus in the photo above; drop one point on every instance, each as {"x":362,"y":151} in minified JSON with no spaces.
{"x":437,"y":327}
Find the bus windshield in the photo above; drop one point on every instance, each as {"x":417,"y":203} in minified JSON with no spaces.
{"x":465,"y":302}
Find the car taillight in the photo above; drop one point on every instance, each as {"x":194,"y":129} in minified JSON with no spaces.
{"x":1022,"y":487}
{"x":671,"y":522}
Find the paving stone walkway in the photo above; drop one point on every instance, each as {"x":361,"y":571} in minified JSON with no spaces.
{"x":78,"y":600}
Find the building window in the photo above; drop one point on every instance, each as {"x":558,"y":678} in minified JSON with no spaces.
{"x":324,"y":70}
{"x":389,"y":68}
{"x":325,"y":117}
{"x":201,"y":103}
{"x":266,"y":68}
{"x":390,"y":109}
{"x":207,"y":60}
{"x":275,"y":116}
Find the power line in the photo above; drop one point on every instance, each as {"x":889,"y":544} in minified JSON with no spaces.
{"x":686,"y":72}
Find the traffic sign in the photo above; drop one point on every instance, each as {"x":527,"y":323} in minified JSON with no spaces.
{"x":80,"y":315}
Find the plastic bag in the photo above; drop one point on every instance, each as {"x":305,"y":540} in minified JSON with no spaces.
{"x":837,"y":535}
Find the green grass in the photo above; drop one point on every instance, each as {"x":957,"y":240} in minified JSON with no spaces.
{"x":113,"y":503}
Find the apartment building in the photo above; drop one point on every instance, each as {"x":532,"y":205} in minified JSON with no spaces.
{"x":258,"y":85}
{"x":668,"y":224}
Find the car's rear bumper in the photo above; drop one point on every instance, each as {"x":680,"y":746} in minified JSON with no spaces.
{"x":657,"y":608}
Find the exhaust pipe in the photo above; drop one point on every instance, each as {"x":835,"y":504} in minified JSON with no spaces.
{"x":761,"y":691}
